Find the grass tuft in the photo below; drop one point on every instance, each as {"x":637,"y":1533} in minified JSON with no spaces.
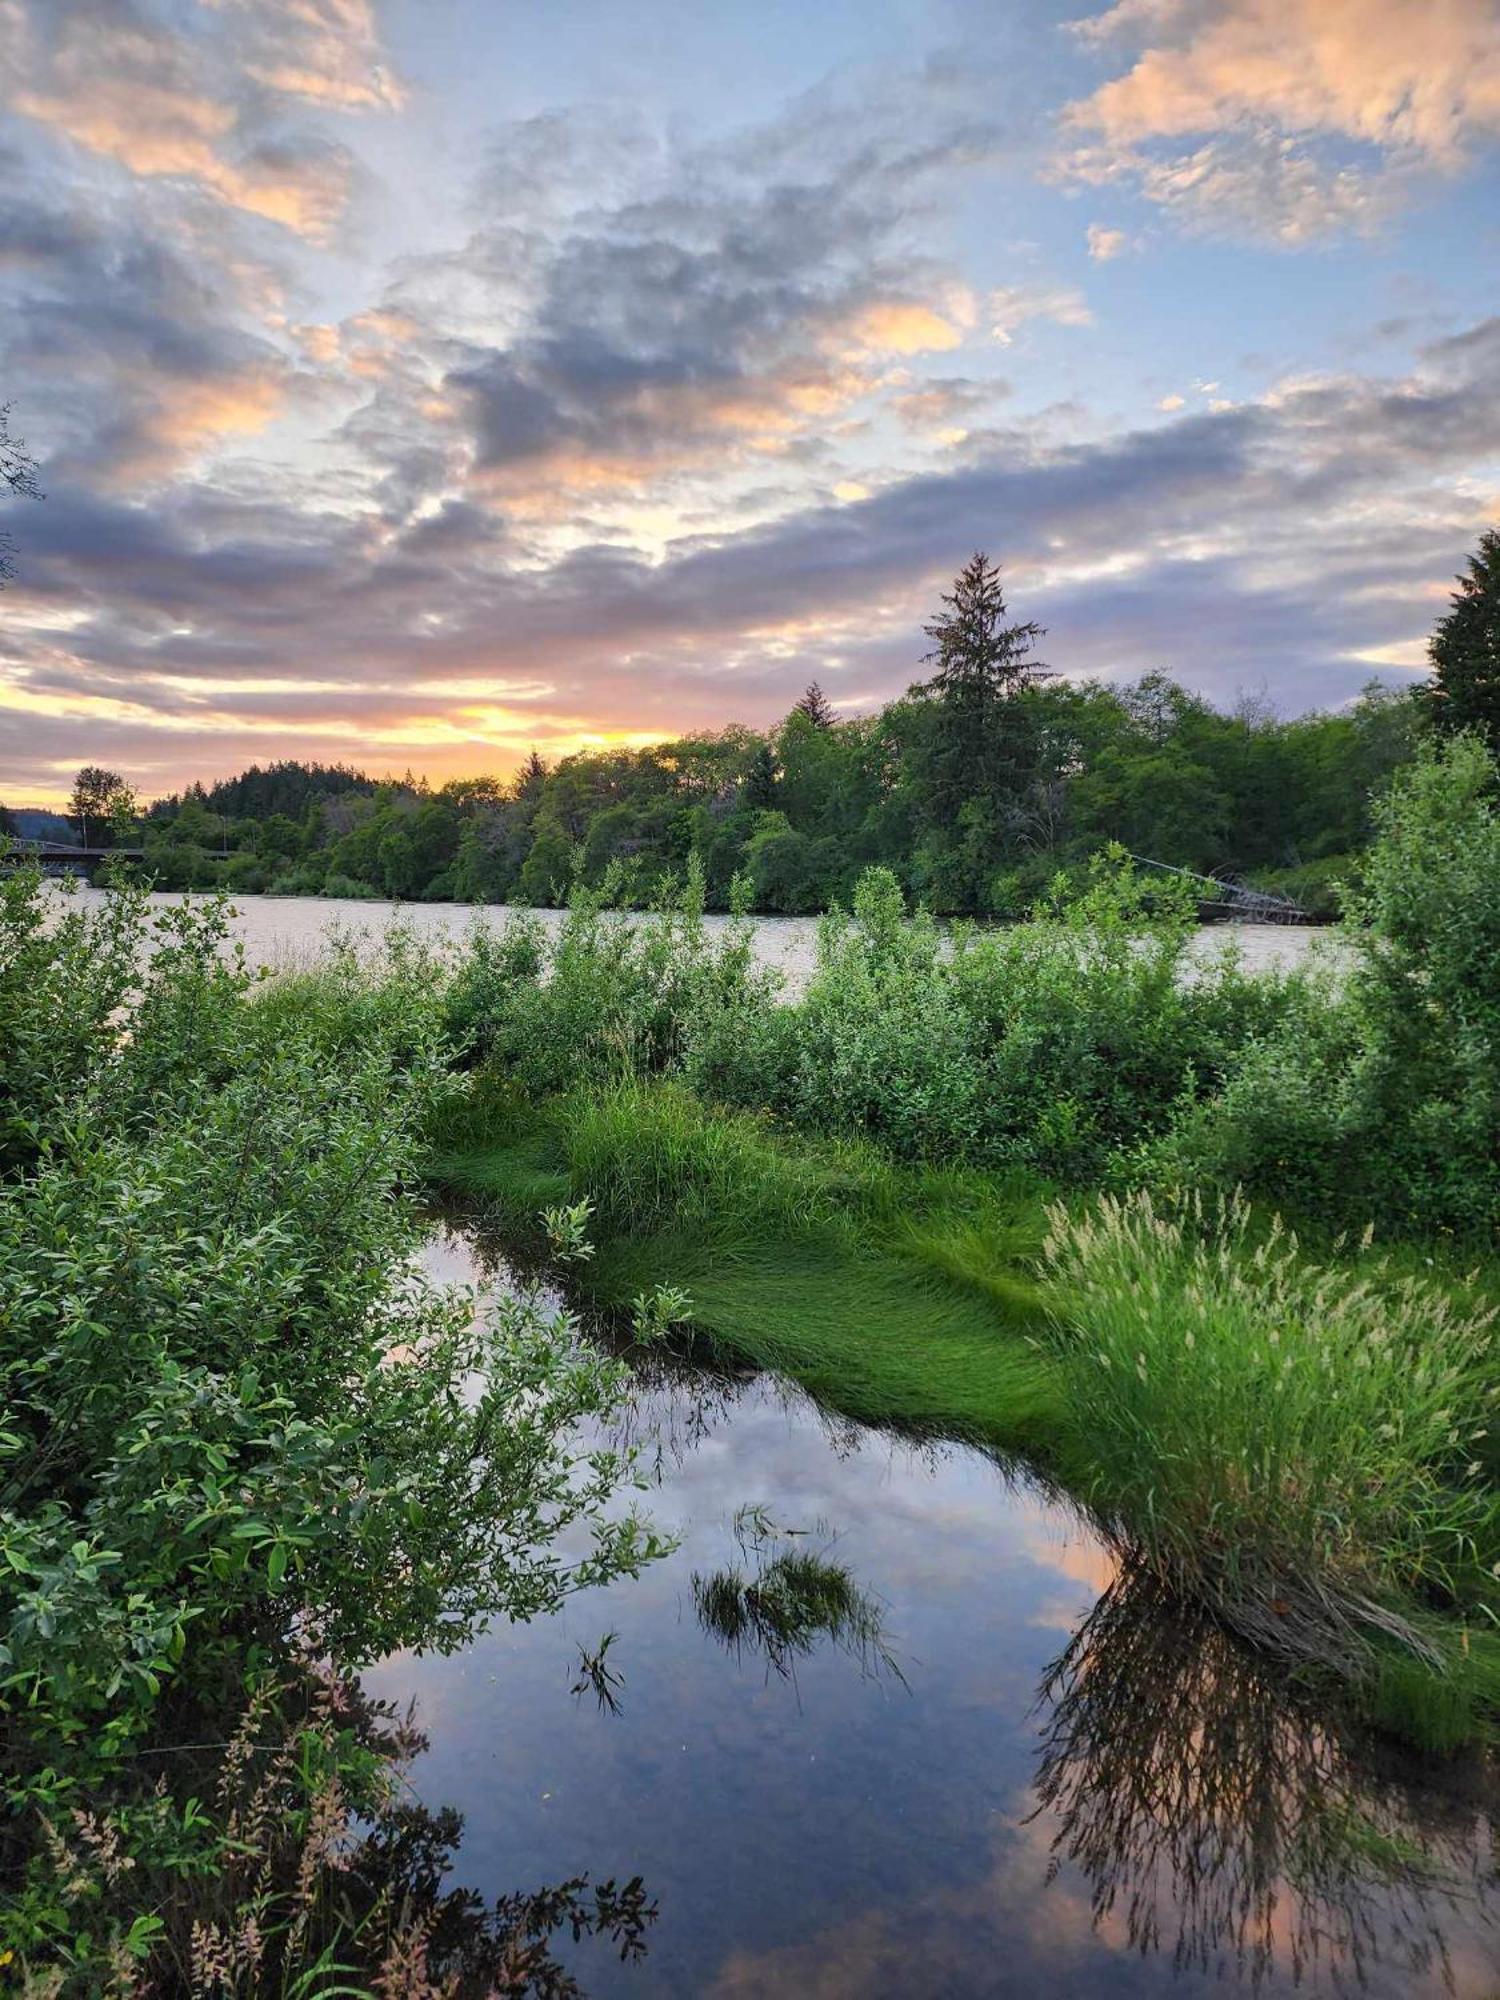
{"x":1301,"y":1446}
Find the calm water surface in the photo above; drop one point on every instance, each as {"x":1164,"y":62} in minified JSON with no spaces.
{"x":281,"y":931}
{"x":1036,"y":1783}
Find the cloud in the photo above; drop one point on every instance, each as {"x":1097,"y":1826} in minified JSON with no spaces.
{"x":326,"y":51}
{"x":188,"y":104}
{"x":1290,"y":542}
{"x":1106,"y":243}
{"x":684,"y":420}
{"x":710,"y":307}
{"x":943,"y":402}
{"x":1308,"y":116}
{"x":1011,"y":307}
{"x":132,"y":342}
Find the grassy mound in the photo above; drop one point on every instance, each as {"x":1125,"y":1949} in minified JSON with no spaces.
{"x":891,"y":1292}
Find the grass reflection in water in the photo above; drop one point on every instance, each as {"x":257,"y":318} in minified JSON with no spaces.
{"x":1213,"y":1808}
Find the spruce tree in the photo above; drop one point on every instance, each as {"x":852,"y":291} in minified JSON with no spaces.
{"x":531,"y":779}
{"x":760,"y":778}
{"x":816,"y":706}
{"x":982,"y":751}
{"x":979,"y":658}
{"x":1465,"y":649}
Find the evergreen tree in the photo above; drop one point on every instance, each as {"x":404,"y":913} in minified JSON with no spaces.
{"x":816,"y":706}
{"x":531,"y":779}
{"x":1465,"y":649}
{"x":760,"y":778}
{"x":979,"y":658}
{"x":981,"y":752}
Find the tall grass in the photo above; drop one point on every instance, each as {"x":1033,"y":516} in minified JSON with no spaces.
{"x":1302,"y":1447}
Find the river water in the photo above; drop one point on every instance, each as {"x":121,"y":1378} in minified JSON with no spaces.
{"x":1034,"y":1781}
{"x":282,"y":931}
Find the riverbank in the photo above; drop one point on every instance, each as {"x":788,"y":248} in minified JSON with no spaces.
{"x":772,"y":1784}
{"x":973,"y":1183}
{"x":1299,"y":1436}
{"x":1277,"y":1438}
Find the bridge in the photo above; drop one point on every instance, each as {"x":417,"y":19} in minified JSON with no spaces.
{"x":1234,"y":902}
{"x":55,"y":857}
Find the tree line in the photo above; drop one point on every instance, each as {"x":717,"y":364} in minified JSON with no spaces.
{"x":975,"y":788}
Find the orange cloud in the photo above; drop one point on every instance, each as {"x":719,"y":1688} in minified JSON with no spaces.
{"x":195,"y":414}
{"x":1418,"y":78}
{"x":327,"y":51}
{"x":903,"y":326}
{"x":1261,"y":82}
{"x":163,"y":105}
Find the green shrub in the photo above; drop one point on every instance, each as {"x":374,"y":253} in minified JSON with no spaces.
{"x":233,"y":1411}
{"x":610,"y":994}
{"x":1048,"y":1046}
{"x":348,"y":889}
{"x":1380,"y":1098}
{"x":1299,"y":1447}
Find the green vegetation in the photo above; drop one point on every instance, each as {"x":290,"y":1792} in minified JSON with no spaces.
{"x":1466,"y":649}
{"x":793,"y":1599}
{"x":1378,"y":1100}
{"x":976,"y":1183}
{"x":849,"y":1188}
{"x":975,"y":789}
{"x":234,"y":1447}
{"x":891,"y":1292}
{"x":1305,"y":1449}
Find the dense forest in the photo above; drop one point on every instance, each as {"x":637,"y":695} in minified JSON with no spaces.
{"x":976,"y":788}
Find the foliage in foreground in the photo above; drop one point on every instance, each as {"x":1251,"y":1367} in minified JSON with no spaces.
{"x":233,"y":1409}
{"x":1307,"y":1449}
{"x":293,"y":1859}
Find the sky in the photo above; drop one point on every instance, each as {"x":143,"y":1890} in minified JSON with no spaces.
{"x":415,"y":382}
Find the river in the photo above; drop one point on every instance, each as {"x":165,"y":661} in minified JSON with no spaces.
{"x":1031,"y":1780}
{"x":282,"y":931}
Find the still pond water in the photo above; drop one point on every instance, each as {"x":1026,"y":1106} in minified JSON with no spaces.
{"x":281,"y":931}
{"x":1032,"y":1781}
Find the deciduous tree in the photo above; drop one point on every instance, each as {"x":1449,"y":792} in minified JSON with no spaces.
{"x":17,"y":478}
{"x":102,"y":803}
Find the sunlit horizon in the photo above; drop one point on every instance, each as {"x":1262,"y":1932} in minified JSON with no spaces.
{"x":412,"y":387}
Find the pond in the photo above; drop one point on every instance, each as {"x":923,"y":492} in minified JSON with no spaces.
{"x":282,"y":931}
{"x":995,"y":1767}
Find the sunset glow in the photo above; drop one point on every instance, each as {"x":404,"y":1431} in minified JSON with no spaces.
{"x":416,"y":385}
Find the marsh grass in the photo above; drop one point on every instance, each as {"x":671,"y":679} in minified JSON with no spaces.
{"x":796,"y":1601}
{"x":892,"y":1292}
{"x":1299,"y":1446}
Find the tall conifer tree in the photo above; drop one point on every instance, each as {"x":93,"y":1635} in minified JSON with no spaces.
{"x":1465,"y":648}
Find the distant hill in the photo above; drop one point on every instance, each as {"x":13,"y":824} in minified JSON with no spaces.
{"x":33,"y":823}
